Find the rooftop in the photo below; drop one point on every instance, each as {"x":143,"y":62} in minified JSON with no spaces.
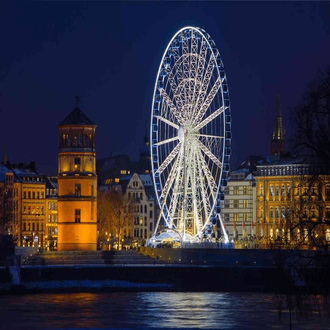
{"x":76,"y":117}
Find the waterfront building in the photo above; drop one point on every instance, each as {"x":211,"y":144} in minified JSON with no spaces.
{"x":31,"y":203}
{"x":10,"y":204}
{"x":51,"y":214}
{"x":139,"y":188}
{"x":293,"y":201}
{"x":77,"y":183}
{"x":239,"y":210}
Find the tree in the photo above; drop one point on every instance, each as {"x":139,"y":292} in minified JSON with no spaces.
{"x":114,"y":214}
{"x":303,"y":251}
{"x":311,"y":119}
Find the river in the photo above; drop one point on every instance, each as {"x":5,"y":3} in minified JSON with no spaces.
{"x":155,"y":310}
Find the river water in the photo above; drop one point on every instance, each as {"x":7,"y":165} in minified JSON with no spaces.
{"x":155,"y":310}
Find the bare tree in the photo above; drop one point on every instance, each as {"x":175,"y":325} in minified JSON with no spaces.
{"x":115,"y":214}
{"x":103,"y":214}
{"x":311,"y":119}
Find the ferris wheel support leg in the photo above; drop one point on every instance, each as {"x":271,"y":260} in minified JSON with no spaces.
{"x":223,"y":229}
{"x":157,"y":224}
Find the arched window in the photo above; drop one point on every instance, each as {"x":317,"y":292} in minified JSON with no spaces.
{"x":288,"y":191}
{"x":305,"y":211}
{"x":277,"y":212}
{"x":306,"y":234}
{"x":283,"y":213}
{"x":298,"y":234}
{"x":282,"y":191}
{"x":327,"y":191}
{"x":288,"y":214}
{"x":145,"y":209}
{"x":276,"y":191}
{"x":313,"y":212}
{"x":271,"y":233}
{"x":277,"y":233}
{"x":271,"y":191}
{"x":271,"y":213}
{"x":327,"y":235}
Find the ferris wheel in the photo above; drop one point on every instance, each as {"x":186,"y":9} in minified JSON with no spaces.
{"x":190,"y":134}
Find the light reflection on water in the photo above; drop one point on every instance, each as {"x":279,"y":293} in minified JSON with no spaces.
{"x":150,"y":310}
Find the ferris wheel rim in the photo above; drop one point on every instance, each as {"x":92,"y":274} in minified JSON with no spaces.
{"x":206,"y":38}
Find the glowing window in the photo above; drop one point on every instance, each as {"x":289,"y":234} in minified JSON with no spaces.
{"x":77,"y":164}
{"x":77,"y":215}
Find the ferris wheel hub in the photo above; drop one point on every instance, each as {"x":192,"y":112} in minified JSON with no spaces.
{"x":181,"y":133}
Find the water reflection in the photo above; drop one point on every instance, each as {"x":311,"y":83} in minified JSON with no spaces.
{"x":150,"y":310}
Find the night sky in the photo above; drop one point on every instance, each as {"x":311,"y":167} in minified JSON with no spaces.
{"x":108,"y":53}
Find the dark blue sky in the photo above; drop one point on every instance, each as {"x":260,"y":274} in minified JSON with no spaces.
{"x":109,"y":53}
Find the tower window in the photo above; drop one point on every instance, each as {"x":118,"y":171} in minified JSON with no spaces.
{"x":77,"y":164}
{"x":77,"y":215}
{"x":77,"y":189}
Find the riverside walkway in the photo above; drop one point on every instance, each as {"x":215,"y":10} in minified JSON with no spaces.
{"x":96,"y":258}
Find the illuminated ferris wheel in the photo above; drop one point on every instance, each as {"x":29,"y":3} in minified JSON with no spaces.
{"x":190,"y":134}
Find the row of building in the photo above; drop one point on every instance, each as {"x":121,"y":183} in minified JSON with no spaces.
{"x":61,"y":212}
{"x":282,"y":198}
{"x":279,"y":198}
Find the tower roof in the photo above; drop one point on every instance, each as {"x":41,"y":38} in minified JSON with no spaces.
{"x":76,"y":117}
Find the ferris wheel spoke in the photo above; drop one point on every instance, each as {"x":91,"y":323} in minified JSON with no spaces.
{"x":200,"y":71}
{"x":165,"y":193}
{"x":169,"y":159}
{"x":204,"y":196}
{"x":196,"y":200}
{"x":166,"y":141}
{"x":213,"y":92}
{"x":174,"y":87}
{"x":171,"y":105}
{"x":168,"y":122}
{"x":177,"y":184}
{"x":209,"y":136}
{"x":205,"y":84}
{"x":210,"y":155}
{"x":212,"y":116}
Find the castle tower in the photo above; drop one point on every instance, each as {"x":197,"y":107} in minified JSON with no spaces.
{"x":277,"y":145}
{"x":77,"y":183}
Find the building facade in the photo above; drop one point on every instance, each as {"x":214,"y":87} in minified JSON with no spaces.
{"x":140,"y":190}
{"x":238,"y":213}
{"x":51,"y":214}
{"x":293,"y":202}
{"x":77,"y":183}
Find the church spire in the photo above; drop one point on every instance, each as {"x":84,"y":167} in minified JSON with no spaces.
{"x":4,"y":161}
{"x":278,"y":137}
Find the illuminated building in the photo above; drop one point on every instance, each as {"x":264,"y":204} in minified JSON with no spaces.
{"x":51,"y":214}
{"x":238,"y":212}
{"x":277,"y":145}
{"x":77,"y":183}
{"x":292,"y":193}
{"x":10,"y":216}
{"x":140,"y":189}
{"x":31,"y":203}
